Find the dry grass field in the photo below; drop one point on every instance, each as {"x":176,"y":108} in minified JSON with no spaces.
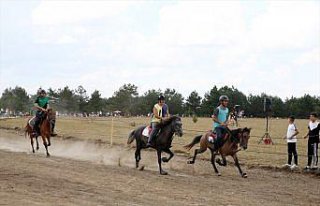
{"x":85,"y":169}
{"x":99,"y":129}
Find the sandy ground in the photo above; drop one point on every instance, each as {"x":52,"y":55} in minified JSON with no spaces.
{"x":83,"y":173}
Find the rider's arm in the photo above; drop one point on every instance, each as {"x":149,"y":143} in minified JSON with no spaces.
{"x":36,"y":106}
{"x":227,"y":119}
{"x":215,"y":116}
{"x":168,"y":113}
{"x":155,"y":113}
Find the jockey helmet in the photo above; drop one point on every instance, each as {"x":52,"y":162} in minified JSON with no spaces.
{"x":223,"y":98}
{"x":161,"y":97}
{"x":42,"y":91}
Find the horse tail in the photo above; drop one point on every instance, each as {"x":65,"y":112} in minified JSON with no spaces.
{"x":131,"y":137}
{"x":196,"y":140}
{"x":25,"y":131}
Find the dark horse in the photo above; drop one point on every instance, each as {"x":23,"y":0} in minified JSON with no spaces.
{"x":48,"y":119}
{"x":232,"y":140}
{"x":169,"y":127}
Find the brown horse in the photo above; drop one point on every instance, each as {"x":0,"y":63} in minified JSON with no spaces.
{"x":45,"y":130}
{"x":231,"y":142}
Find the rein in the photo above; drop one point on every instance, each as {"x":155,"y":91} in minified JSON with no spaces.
{"x":232,"y":137}
{"x":236,"y":139}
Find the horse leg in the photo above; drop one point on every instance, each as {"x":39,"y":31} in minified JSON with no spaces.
{"x":138,"y":155}
{"x":224,"y":161}
{"x":236,"y":161}
{"x":196,"y":152}
{"x":44,"y":140}
{"x":168,"y":151}
{"x":49,"y":141}
{"x":213,"y":162}
{"x":162,"y":172}
{"x":31,"y":139}
{"x":37,"y":143}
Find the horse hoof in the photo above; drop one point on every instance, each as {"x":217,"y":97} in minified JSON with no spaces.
{"x":190,"y":162}
{"x":244,"y":175}
{"x":164,"y":159}
{"x":38,"y":148}
{"x":141,"y":168}
{"x":163,"y":173}
{"x":33,"y":151}
{"x":218,"y":174}
{"x":48,"y":155}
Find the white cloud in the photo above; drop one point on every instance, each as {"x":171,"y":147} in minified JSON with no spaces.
{"x":201,"y":22}
{"x":309,"y":57}
{"x":67,"y":12}
{"x":192,"y":46}
{"x":285,"y":24}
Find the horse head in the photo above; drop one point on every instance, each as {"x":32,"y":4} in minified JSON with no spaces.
{"x":51,"y":114}
{"x":244,"y":136}
{"x":177,"y":126}
{"x":175,"y":123}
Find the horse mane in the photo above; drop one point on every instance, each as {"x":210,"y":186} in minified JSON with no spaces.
{"x":238,"y":130}
{"x":169,"y":120}
{"x":234,"y":132}
{"x":50,"y":113}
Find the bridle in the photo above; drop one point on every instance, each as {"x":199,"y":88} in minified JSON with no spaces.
{"x":174,"y":123}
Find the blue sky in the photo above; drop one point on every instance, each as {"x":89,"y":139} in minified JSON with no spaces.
{"x":257,"y":46}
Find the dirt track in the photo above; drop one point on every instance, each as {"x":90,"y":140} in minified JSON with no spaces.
{"x":98,"y":175}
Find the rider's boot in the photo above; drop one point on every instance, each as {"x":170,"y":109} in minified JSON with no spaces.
{"x":154,"y":133}
{"x":36,"y":128}
{"x":151,"y":138}
{"x":149,"y":143}
{"x":53,"y":134}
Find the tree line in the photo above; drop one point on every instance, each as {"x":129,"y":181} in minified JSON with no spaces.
{"x":127,"y":100}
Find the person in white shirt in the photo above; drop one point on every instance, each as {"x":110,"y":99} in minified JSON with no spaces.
{"x":291,"y":138}
{"x":313,"y":141}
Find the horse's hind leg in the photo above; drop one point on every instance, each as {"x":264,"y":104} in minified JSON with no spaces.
{"x":37,"y":143}
{"x":138,"y":156}
{"x":31,"y":139}
{"x":49,"y":141}
{"x":213,"y":162}
{"x":168,"y":151}
{"x":196,"y":152}
{"x":224,"y":161}
{"x":236,"y":161}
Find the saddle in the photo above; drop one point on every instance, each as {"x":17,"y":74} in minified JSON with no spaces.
{"x":212,"y":137}
{"x":147,"y":131}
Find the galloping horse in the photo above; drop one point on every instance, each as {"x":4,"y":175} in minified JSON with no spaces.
{"x":169,"y":127}
{"x":232,"y":140}
{"x":45,"y":130}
